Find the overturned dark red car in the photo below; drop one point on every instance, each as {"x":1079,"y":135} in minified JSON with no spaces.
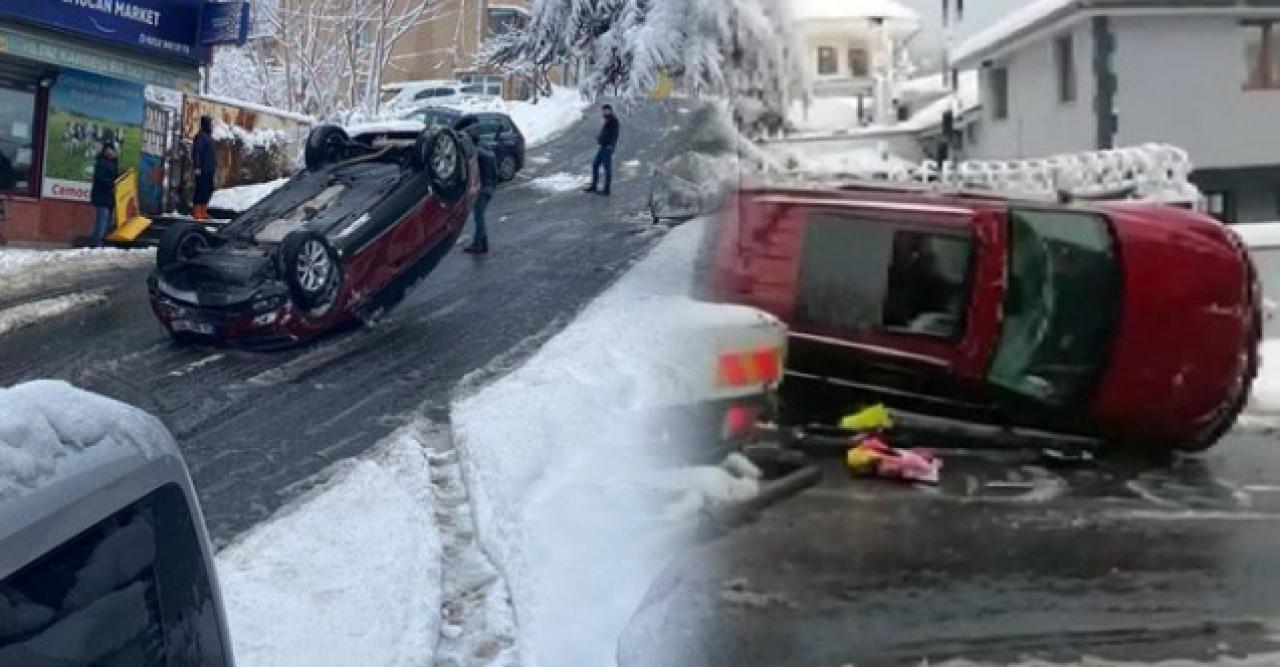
{"x":1123,"y":323}
{"x":342,"y":240}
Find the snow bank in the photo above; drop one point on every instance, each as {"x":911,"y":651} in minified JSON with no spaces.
{"x":27,"y":314}
{"x":50,"y":431}
{"x":1266,"y":388}
{"x":15,"y":261}
{"x":349,"y":575}
{"x":542,"y":122}
{"x":242,"y":198}
{"x":561,"y":182}
{"x":567,"y":489}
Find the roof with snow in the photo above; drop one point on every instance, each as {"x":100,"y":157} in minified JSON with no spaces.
{"x":842,"y":10}
{"x":1041,"y":14}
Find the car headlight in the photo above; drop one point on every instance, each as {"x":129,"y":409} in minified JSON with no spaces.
{"x":267,"y":304}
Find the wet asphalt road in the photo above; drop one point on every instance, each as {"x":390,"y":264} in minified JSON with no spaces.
{"x":256,"y":427}
{"x":1011,"y":558}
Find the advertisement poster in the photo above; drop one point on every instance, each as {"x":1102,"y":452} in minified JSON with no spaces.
{"x":86,"y":110}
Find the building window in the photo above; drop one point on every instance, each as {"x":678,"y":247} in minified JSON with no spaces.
{"x":17,"y":142}
{"x":1220,"y":204}
{"x":505,"y":20}
{"x":827,"y":63}
{"x":1262,"y":54}
{"x":1000,"y":93}
{"x":1064,"y":56}
{"x":859,"y":62}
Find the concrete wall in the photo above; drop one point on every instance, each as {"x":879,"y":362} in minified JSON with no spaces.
{"x":1181,"y":81}
{"x":1038,"y":124}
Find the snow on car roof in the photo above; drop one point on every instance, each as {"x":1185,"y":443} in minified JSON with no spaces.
{"x":52,"y":432}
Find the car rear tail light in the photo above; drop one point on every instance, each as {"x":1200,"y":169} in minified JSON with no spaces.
{"x":739,"y":421}
{"x":740,"y":369}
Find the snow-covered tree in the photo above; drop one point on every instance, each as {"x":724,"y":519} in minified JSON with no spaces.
{"x":325,"y":58}
{"x":740,"y":49}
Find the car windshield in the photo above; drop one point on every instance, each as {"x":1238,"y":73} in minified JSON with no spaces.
{"x":1060,"y":307}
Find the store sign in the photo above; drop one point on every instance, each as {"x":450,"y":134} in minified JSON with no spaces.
{"x":225,"y":23}
{"x":86,"y":111}
{"x":65,"y":54}
{"x":168,"y":28}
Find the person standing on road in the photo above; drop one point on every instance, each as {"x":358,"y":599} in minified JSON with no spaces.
{"x":103,"y":193}
{"x":205,"y":164}
{"x":608,"y":141}
{"x":488,"y":184}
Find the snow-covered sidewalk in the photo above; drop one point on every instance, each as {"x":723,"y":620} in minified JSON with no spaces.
{"x":39,"y":284}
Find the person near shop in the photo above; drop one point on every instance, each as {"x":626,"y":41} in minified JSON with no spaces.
{"x":205,"y":164}
{"x":488,"y":163}
{"x":103,"y":193}
{"x":608,"y":141}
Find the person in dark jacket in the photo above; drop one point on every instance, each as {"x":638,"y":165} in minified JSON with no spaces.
{"x":205,"y":164}
{"x":608,"y":141}
{"x":103,"y":193}
{"x":488,"y":184}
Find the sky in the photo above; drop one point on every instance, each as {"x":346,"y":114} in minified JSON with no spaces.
{"x":978,"y":14}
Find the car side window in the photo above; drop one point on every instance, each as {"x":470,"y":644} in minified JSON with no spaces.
{"x":131,"y":590}
{"x":860,"y":275}
{"x":929,"y":286}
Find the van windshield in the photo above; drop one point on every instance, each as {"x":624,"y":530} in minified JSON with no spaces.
{"x":1061,"y":306}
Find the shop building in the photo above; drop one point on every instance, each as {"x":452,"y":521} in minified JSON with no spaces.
{"x":74,"y":74}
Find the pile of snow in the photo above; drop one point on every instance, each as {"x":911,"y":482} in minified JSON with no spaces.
{"x":27,"y":314}
{"x":250,"y":139}
{"x":349,"y":575}
{"x":872,"y":161}
{"x":259,"y":108}
{"x":561,"y":182}
{"x":14,"y":262}
{"x":545,"y":120}
{"x":570,"y":499}
{"x":243,"y":197}
{"x":1266,"y":388}
{"x":51,"y":431}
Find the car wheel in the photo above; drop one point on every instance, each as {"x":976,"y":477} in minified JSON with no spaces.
{"x":311,"y":268}
{"x":326,"y":145}
{"x":446,"y":164}
{"x":182,"y":242}
{"x":507,"y":168}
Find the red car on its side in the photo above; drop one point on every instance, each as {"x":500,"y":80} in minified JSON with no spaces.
{"x":1132,"y":324}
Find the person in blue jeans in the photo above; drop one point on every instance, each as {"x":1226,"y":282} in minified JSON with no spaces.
{"x":608,"y":141}
{"x":103,"y":193}
{"x":488,"y":184}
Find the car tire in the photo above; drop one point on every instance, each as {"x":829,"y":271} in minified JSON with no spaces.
{"x":326,"y":145}
{"x":182,"y":242}
{"x":507,"y":167}
{"x":311,"y":268}
{"x":445,"y":160}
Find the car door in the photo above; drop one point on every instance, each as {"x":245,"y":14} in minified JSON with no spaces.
{"x":886,"y":300}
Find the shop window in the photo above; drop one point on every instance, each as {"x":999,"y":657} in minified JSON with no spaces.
{"x":17,"y":140}
{"x":859,"y":62}
{"x":1262,"y":54}
{"x":827,"y":62}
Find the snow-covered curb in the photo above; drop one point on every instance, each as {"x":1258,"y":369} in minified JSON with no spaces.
{"x":571,"y":501}
{"x":551,"y":116}
{"x":27,"y":314}
{"x":18,"y":263}
{"x":348,"y":575}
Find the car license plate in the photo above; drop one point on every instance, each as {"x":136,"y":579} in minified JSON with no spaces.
{"x":194,"y":327}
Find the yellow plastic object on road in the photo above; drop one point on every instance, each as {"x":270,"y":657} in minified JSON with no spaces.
{"x":874,"y":418}
{"x":130,"y":223}
{"x":661,"y":89}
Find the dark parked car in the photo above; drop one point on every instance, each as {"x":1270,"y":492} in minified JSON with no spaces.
{"x":104,"y":558}
{"x":344,"y":239}
{"x":1126,"y":323}
{"x":497,"y":132}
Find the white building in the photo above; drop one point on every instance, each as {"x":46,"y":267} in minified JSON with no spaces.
{"x":1070,"y":75}
{"x":845,"y":41}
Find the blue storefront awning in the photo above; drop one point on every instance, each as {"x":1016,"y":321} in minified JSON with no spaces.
{"x":162,"y":29}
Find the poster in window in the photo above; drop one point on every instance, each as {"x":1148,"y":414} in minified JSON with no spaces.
{"x":85,"y":111}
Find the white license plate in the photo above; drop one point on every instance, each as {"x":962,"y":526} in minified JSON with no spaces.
{"x":194,"y":327}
